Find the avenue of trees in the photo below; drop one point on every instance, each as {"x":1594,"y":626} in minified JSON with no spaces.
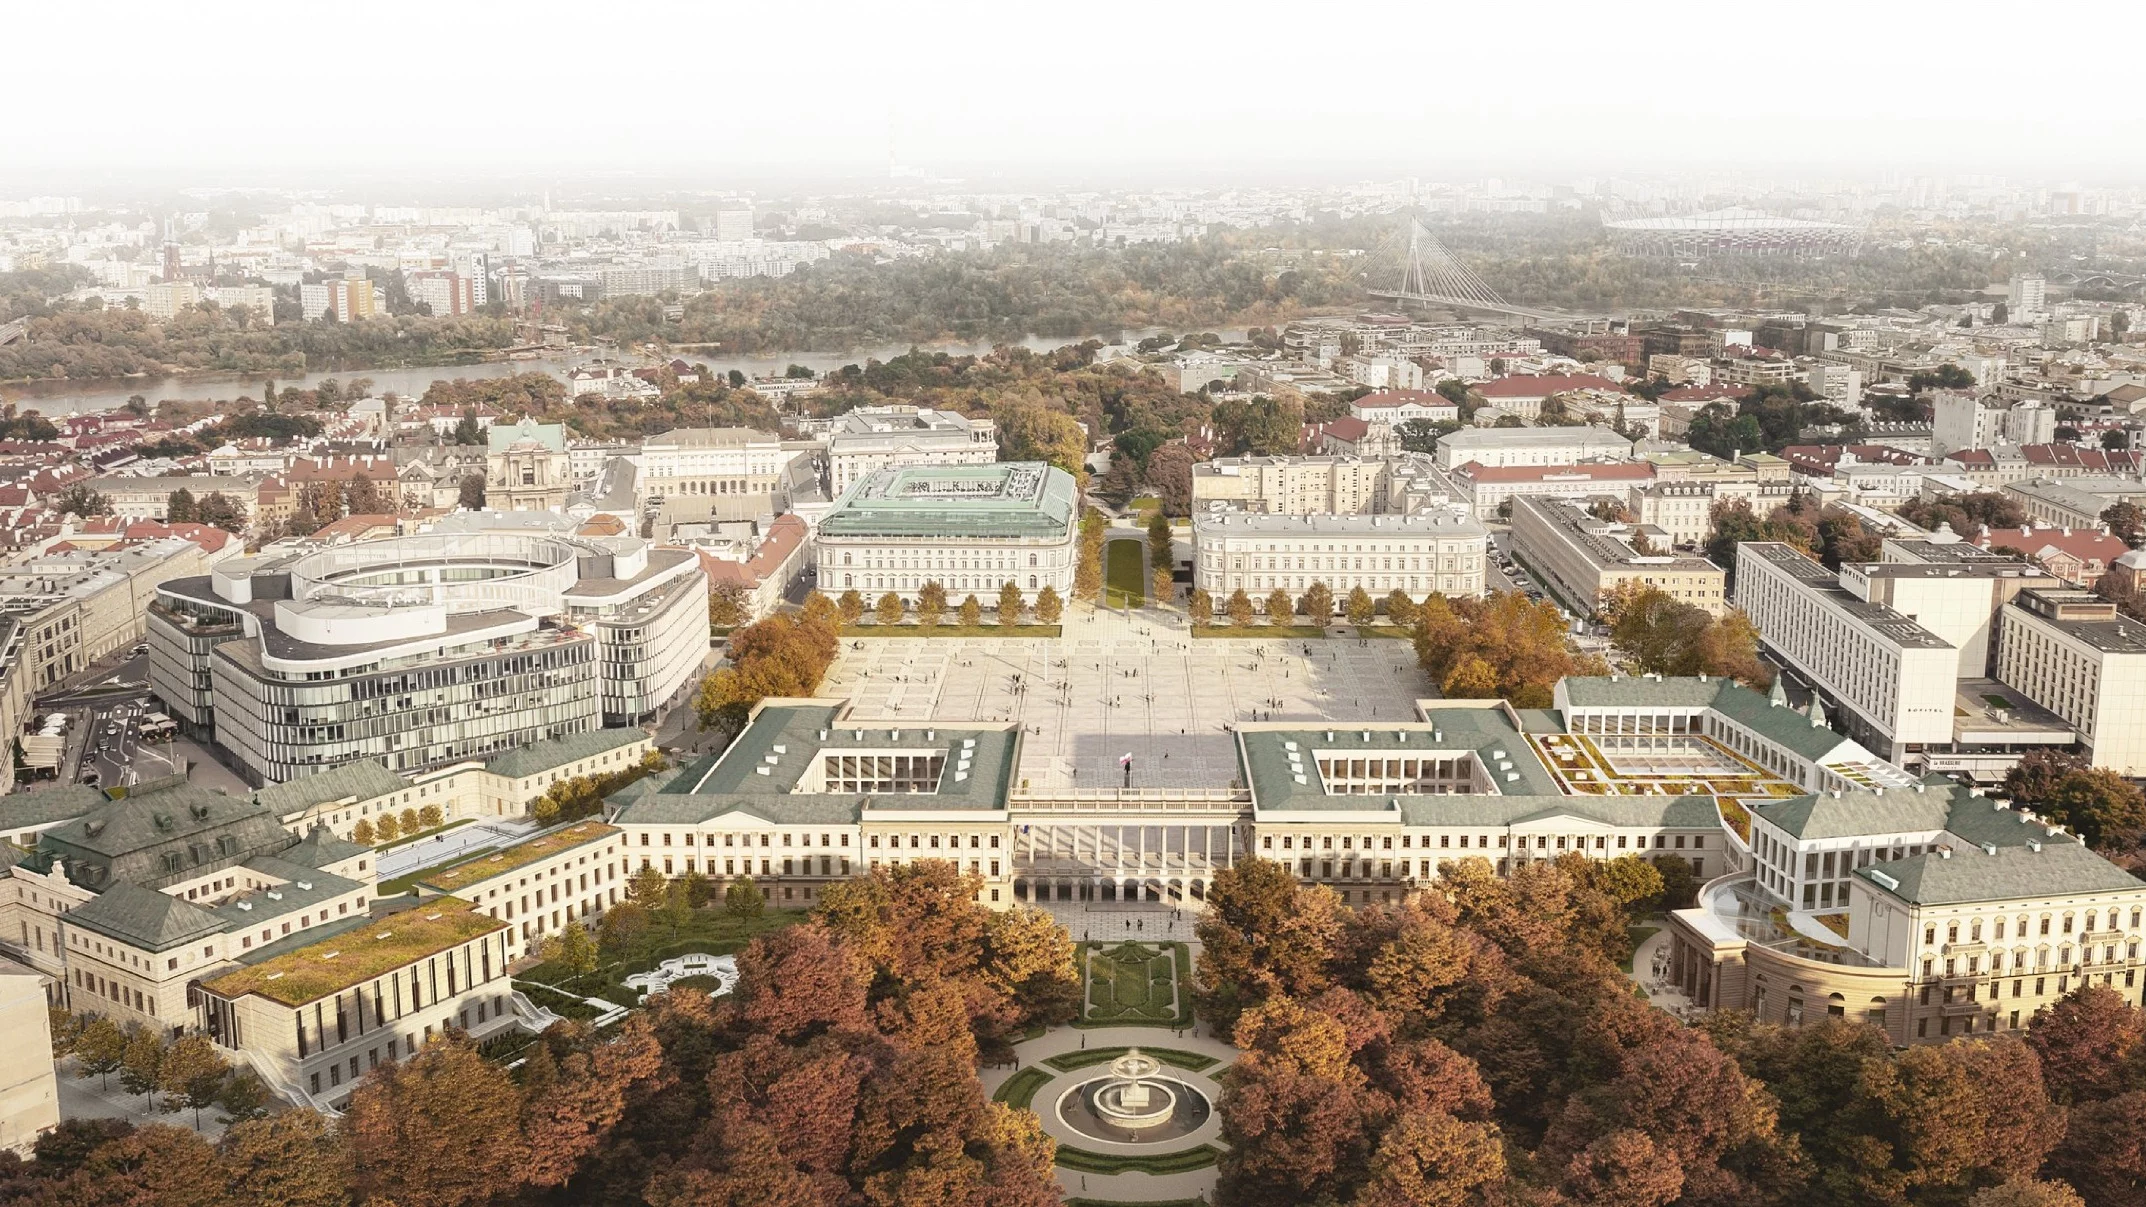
{"x":783,"y":655}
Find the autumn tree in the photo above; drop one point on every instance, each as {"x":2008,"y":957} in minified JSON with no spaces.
{"x":387,"y":829}
{"x":1318,"y":604}
{"x":971,"y":611}
{"x":441,"y":1129}
{"x":1010,"y":606}
{"x":290,"y":1159}
{"x":889,"y":609}
{"x":1049,"y":607}
{"x":100,"y":1048}
{"x":570,"y":948}
{"x":1240,"y":610}
{"x":726,"y":607}
{"x":851,"y":606}
{"x":1262,"y":935}
{"x":931,"y":603}
{"x":142,"y":1062}
{"x":1360,"y":609}
{"x":1200,"y":606}
{"x":1088,"y":564}
{"x":362,"y":833}
{"x":1280,"y":608}
{"x":1162,"y":587}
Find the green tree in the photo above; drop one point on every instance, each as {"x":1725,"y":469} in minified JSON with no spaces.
{"x":2126,"y":521}
{"x":1009,"y":605}
{"x":143,"y":1060}
{"x":1318,"y":604}
{"x":80,"y":500}
{"x":179,"y":508}
{"x":467,"y":431}
{"x":742,"y":900}
{"x":571,"y":948}
{"x":1049,"y":608}
{"x":100,"y":1048}
{"x":243,"y":1096}
{"x":219,"y":510}
{"x":699,"y":889}
{"x":471,"y":493}
{"x":1161,"y":543}
{"x":1032,"y":432}
{"x":890,"y":609}
{"x":677,"y":906}
{"x":191,"y":1074}
{"x":851,"y":606}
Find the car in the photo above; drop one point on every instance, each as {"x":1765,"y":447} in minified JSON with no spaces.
{"x":112,"y":728}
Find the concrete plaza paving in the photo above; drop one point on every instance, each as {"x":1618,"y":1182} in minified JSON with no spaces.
{"x":1118,"y":683}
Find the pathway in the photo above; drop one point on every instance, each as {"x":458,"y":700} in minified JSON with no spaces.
{"x":1650,"y":971}
{"x":1125,"y":1187}
{"x":449,"y":844}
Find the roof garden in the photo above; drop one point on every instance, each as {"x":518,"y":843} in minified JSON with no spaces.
{"x":473,"y":871}
{"x":311,"y":971}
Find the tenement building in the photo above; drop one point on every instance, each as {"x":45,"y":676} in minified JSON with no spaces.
{"x":1417,"y":554}
{"x":1584,"y":558}
{"x":427,"y":651}
{"x":869,"y":439}
{"x":969,"y":528}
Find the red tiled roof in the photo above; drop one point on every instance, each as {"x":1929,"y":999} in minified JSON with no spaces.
{"x":2086,"y":544}
{"x":2074,"y":456}
{"x":1542,"y":387}
{"x":1347,"y":428}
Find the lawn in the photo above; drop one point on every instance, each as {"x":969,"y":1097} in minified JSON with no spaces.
{"x":1637,"y":934}
{"x":986,"y":629}
{"x":1135,"y":983}
{"x":1020,"y":1089}
{"x":1088,"y":1057}
{"x":1124,"y":575}
{"x":1258,"y":631}
{"x":1386,"y":630}
{"x":1183,"y":1161}
{"x":422,"y":835}
{"x":709,"y":929}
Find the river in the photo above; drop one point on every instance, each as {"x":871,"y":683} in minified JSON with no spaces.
{"x":53,"y":398}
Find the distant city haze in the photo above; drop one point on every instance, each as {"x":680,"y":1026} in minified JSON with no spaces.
{"x":240,"y":91}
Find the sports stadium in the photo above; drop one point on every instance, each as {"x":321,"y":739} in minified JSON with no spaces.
{"x":1731,"y":232}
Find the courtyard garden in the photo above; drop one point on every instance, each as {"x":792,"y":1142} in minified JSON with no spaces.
{"x":1137,"y":984}
{"x":565,"y":982}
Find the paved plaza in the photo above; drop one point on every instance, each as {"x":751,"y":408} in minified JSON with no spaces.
{"x":1118,"y":684}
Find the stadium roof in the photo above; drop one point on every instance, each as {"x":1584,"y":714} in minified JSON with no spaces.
{"x":1731,"y":219}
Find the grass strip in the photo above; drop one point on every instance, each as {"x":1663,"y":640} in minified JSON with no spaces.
{"x":1080,"y":1160}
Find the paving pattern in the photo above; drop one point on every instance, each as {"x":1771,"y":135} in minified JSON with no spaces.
{"x":1116,"y":684}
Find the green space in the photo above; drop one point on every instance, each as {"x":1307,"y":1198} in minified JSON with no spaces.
{"x":1186,"y":1160}
{"x":565,"y":1005}
{"x":1143,"y":504}
{"x":409,"y":880}
{"x":354,"y":956}
{"x":1124,"y":574}
{"x":1088,"y":1057}
{"x":1135,"y":983}
{"x":1638,"y":934}
{"x":1020,"y":1089}
{"x":987,"y":629}
{"x":1997,"y":701}
{"x":422,"y":835}
{"x":1260,"y":631}
{"x":483,"y":867}
{"x":709,"y":929}
{"x":1386,"y":630}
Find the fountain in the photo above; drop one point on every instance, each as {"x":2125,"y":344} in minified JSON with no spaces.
{"x":1135,"y":1103}
{"x":1130,"y":1098}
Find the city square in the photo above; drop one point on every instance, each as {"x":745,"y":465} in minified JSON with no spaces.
{"x":1116,"y":684}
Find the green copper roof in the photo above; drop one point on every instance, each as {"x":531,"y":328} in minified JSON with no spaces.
{"x":1012,"y":499}
{"x":760,"y":773}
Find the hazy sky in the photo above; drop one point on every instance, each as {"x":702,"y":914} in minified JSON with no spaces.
{"x":230,"y":89}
